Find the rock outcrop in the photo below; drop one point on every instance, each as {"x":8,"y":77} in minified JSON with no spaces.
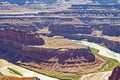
{"x":112,"y":30}
{"x":70,"y":29}
{"x":112,"y":43}
{"x":23,"y":37}
{"x":115,"y":74}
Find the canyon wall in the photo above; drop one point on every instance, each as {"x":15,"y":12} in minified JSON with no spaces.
{"x":23,"y":37}
{"x":112,"y":30}
{"x":70,"y":29}
{"x":111,"y":44}
{"x":115,"y":74}
{"x":80,"y":33}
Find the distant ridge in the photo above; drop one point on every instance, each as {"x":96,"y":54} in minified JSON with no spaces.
{"x":49,"y":2}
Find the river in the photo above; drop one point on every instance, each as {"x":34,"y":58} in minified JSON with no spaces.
{"x":94,"y":76}
{"x":104,"y":52}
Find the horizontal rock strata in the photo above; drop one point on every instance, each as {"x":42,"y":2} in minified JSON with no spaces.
{"x":54,"y":53}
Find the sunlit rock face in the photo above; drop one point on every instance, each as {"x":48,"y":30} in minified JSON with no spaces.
{"x":22,"y":37}
{"x":115,"y":74}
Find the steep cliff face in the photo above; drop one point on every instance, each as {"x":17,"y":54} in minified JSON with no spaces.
{"x":111,"y":44}
{"x":70,"y":29}
{"x":112,"y":30}
{"x":61,"y":56}
{"x":58,"y":60}
{"x":18,"y":36}
{"x":115,"y":74}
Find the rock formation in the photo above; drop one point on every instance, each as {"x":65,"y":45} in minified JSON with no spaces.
{"x":112,"y":30}
{"x":115,"y":74}
{"x":112,"y":43}
{"x":70,"y":29}
{"x":27,"y":48}
{"x":23,"y":37}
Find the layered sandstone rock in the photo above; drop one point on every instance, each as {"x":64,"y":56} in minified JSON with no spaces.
{"x":23,"y":37}
{"x":112,"y":30}
{"x":70,"y":29}
{"x":56,"y":54}
{"x":115,"y":74}
{"x":112,"y":43}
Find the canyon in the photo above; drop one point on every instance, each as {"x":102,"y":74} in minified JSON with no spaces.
{"x":96,"y":23}
{"x":53,"y":55}
{"x":41,"y":40}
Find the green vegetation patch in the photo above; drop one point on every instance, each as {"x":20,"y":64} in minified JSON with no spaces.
{"x":60,"y":76}
{"x":110,"y":63}
{"x":13,"y":71}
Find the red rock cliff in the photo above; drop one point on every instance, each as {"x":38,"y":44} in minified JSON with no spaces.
{"x":23,"y":37}
{"x":115,"y":74}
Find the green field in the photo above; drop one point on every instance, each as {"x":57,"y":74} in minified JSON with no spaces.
{"x":13,"y":71}
{"x":110,"y":63}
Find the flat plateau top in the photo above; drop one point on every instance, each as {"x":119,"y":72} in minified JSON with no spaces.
{"x":59,"y":42}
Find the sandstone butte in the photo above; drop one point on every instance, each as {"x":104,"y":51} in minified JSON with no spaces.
{"x":53,"y":55}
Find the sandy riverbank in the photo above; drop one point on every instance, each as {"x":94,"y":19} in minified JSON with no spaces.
{"x":26,"y":73}
{"x":102,"y":51}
